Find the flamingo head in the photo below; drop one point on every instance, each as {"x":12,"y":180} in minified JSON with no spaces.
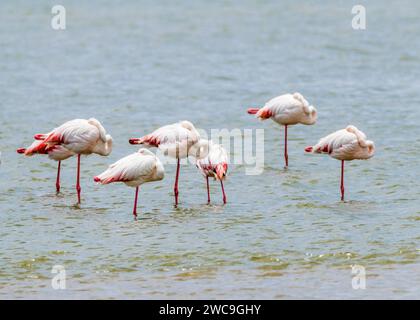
{"x":370,"y":148}
{"x":104,"y":148}
{"x":221,"y":171}
{"x":108,"y":144}
{"x":200,"y":149}
{"x":311,"y":115}
{"x":187,"y":125}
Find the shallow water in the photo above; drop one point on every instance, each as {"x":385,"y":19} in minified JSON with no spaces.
{"x":283,"y":234}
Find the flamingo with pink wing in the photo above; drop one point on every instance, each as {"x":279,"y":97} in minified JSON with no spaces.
{"x":178,"y":140}
{"x":346,"y":145}
{"x":286,"y":110}
{"x":76,"y":137}
{"x":214,"y":165}
{"x":134,"y":170}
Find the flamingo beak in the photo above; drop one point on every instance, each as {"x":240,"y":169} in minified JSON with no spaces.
{"x":308,"y":149}
{"x":21,"y":150}
{"x":134,"y":141}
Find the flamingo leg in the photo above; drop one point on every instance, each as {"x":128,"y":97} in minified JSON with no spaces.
{"x":57,"y":183}
{"x":78,"y":188}
{"x":135,"y":203}
{"x":342,"y":180}
{"x":208,"y":191}
{"x":176,"y":184}
{"x":223,"y":190}
{"x":286,"y":155}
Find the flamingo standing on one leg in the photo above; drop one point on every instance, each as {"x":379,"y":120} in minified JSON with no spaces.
{"x":81,"y":137}
{"x":286,"y":110}
{"x":215,"y":165}
{"x":345,"y":145}
{"x":57,"y":153}
{"x":178,"y":140}
{"x":134,"y":170}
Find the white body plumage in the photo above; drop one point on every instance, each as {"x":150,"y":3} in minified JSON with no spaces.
{"x":346,"y":144}
{"x":288,"y":109}
{"x":134,"y":170}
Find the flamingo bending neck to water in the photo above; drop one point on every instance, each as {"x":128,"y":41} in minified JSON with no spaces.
{"x":345,"y":145}
{"x":215,"y":165}
{"x":286,"y":110}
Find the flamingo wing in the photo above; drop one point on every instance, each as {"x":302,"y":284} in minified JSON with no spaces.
{"x":172,"y":134}
{"x":286,"y":104}
{"x":133,"y":168}
{"x":339,"y":144}
{"x":78,"y":136}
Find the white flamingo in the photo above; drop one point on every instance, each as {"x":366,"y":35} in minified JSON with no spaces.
{"x":287,"y":109}
{"x":76,"y":137}
{"x":345,"y":145}
{"x":178,"y":140}
{"x":134,"y":170}
{"x":215,"y":165}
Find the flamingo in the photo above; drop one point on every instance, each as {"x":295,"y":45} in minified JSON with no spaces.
{"x":287,"y":109}
{"x":345,"y":145}
{"x":134,"y":170}
{"x":215,"y":165}
{"x":75,"y":137}
{"x":57,"y":153}
{"x":177,"y":140}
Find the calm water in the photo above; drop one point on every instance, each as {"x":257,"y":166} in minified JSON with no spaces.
{"x":136,"y":65}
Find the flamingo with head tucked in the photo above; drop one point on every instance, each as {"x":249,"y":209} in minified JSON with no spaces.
{"x":178,"y":140}
{"x":287,"y":109}
{"x":56,"y":152}
{"x":134,"y":170}
{"x":76,"y":137}
{"x":215,"y":165}
{"x":345,"y":145}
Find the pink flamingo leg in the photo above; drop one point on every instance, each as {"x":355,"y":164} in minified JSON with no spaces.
{"x":208,"y":191}
{"x":135,"y":203}
{"x":176,"y":184}
{"x":223,"y":190}
{"x":286,"y":155}
{"x":342,"y":180}
{"x":78,"y":188}
{"x":57,"y":183}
